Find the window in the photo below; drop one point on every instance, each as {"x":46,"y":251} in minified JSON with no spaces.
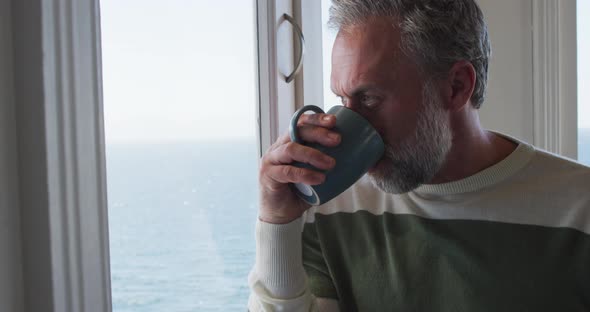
{"x":60,"y":57}
{"x":328,"y":37}
{"x":180,"y":105}
{"x":583,"y":82}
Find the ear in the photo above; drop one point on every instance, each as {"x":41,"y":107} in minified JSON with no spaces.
{"x":461,"y":83}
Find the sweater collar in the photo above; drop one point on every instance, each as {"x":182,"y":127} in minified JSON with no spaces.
{"x":502,"y":170}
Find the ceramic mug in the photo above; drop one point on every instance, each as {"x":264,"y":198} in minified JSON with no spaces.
{"x":360,"y":148}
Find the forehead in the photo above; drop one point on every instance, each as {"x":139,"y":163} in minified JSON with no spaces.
{"x":365,"y":52}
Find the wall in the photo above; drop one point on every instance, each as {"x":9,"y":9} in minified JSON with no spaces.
{"x":28,"y":62}
{"x":509,"y":104}
{"x":11,"y":285}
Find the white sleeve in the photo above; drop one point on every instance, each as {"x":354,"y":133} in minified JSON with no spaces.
{"x":278,"y":281}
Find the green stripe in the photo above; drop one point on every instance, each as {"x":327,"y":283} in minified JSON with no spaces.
{"x":408,"y":263}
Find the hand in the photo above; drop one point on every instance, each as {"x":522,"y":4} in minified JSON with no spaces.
{"x":278,"y":204}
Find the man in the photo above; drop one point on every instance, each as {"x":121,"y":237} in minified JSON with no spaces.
{"x":453,"y":217}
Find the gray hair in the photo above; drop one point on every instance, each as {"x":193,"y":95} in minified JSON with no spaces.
{"x":436,"y":33}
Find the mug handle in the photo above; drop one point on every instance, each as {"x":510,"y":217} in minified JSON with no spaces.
{"x":293,"y":125}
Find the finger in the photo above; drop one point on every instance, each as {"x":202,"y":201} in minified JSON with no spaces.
{"x":319,"y":135}
{"x":287,"y":153}
{"x":322,"y":120}
{"x":283,"y":139}
{"x":290,"y":174}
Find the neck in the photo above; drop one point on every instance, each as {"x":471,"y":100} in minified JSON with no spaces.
{"x":473,"y":148}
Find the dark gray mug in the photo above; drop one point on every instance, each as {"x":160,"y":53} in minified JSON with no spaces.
{"x":360,"y":148}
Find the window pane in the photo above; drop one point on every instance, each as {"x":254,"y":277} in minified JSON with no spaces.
{"x":179,"y":97}
{"x":328,"y":37}
{"x":583,"y":82}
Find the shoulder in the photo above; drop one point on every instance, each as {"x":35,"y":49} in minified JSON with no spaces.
{"x":548,"y":171}
{"x":556,"y":171}
{"x":543,"y":157}
{"x":554,"y":191}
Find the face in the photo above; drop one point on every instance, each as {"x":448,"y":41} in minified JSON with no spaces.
{"x":373,"y":77}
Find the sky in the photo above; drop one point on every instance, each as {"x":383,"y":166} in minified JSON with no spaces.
{"x":184,"y":70}
{"x":178,"y":70}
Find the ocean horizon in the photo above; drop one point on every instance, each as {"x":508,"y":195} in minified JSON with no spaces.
{"x":181,"y":223}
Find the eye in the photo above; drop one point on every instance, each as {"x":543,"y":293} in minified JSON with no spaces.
{"x":370,"y":101}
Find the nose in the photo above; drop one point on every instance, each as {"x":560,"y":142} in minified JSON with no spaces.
{"x":348,"y":103}
{"x":352,"y":106}
{"x":357,"y":108}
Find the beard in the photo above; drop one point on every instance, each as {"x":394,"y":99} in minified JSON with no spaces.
{"x":416,"y":159}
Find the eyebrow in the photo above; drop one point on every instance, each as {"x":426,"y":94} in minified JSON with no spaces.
{"x":358,"y":90}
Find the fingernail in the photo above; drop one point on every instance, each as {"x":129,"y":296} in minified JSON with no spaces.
{"x":319,"y":178}
{"x":327,"y":118}
{"x":329,"y":160}
{"x":333,"y":136}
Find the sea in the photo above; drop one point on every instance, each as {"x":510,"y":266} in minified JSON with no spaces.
{"x":181,"y":224}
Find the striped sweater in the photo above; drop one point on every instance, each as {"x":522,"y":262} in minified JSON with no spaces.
{"x":513,"y":237}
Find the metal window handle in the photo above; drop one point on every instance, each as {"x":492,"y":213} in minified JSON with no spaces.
{"x":291,"y":20}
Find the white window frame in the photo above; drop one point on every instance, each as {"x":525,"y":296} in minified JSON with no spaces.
{"x":277,"y":98}
{"x":60,"y":143}
{"x":267,"y":67}
{"x":309,"y":84}
{"x":62,"y":168}
{"x":62,"y":180}
{"x":555,"y":79}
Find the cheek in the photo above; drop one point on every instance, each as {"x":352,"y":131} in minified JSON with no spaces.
{"x":395,"y":125}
